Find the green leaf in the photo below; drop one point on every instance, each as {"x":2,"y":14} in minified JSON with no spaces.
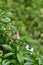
{"x":7,"y":62}
{"x":0,"y":60}
{"x":20,"y":57}
{"x":28,"y":63}
{"x":8,"y":54}
{"x":10,"y":14}
{"x":3,"y":62}
{"x":6,"y":20}
{"x":7,"y":47}
{"x":29,"y":59}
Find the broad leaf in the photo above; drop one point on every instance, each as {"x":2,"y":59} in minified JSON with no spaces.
{"x":7,"y":47}
{"x":8,"y":54}
{"x":20,"y":57}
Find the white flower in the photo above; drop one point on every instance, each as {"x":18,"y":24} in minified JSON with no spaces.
{"x":27,"y":47}
{"x":31,"y":49}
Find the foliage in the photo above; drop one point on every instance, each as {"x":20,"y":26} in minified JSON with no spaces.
{"x":21,"y":32}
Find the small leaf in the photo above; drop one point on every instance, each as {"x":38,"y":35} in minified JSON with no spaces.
{"x":7,"y":47}
{"x":10,"y":14}
{"x":0,"y":60}
{"x":6,"y":20}
{"x":8,"y":54}
{"x":20,"y":57}
{"x":28,"y":63}
{"x":3,"y":62}
{"x":29,"y":59}
{"x":7,"y":62}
